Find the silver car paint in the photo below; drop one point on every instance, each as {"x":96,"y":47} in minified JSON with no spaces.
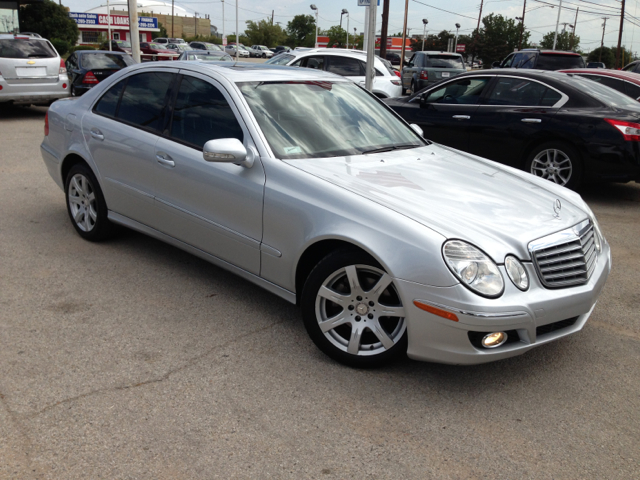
{"x":402,"y":226}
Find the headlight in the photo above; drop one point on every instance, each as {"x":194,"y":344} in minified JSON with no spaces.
{"x":516,"y":272}
{"x":473,"y":268}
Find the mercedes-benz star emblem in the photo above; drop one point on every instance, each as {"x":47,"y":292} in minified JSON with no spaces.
{"x":557,"y":206}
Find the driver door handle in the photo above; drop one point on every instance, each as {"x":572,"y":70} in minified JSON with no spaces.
{"x":97,"y":134}
{"x":165,"y":159}
{"x":531,"y":120}
{"x":461,"y":117}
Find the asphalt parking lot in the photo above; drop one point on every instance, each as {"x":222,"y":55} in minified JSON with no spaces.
{"x":132,"y":359}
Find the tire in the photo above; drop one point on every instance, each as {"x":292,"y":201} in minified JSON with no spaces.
{"x":557,"y":162}
{"x":346,"y":314}
{"x":412,"y":90}
{"x":264,"y":55}
{"x":86,"y":205}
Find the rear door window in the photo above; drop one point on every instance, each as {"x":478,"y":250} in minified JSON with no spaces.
{"x":26,"y":48}
{"x":202,"y":113}
{"x":144,"y":99}
{"x":614,"y":83}
{"x":521,"y":92}
{"x":632,"y":90}
{"x":345,"y":66}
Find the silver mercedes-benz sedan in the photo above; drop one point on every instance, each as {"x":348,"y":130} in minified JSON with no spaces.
{"x":307,"y":185}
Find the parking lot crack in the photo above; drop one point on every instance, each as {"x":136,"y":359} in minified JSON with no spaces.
{"x":188,"y":364}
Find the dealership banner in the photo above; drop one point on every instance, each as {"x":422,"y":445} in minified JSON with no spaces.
{"x":93,"y":19}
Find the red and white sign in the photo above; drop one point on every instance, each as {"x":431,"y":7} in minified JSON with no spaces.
{"x":224,"y":41}
{"x":461,"y":48}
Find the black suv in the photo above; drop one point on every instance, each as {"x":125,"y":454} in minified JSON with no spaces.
{"x":541,"y":60}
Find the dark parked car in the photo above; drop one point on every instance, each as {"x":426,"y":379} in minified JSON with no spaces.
{"x":624,"y":82}
{"x":563,"y":128}
{"x":206,"y":46}
{"x":426,"y":68}
{"x":281,"y":49}
{"x":213,"y":56}
{"x":117,"y":46}
{"x":596,"y":65}
{"x":632,"y":67}
{"x":534,"y":58}
{"x":87,"y":68}
{"x":393,"y":57}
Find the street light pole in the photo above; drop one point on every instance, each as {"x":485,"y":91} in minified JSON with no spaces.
{"x":345,"y":11}
{"x":522,"y":25}
{"x":237,"y":33}
{"x":313,"y":7}
{"x":424,"y":31}
{"x":223,"y":35}
{"x":455,"y":46}
{"x":109,"y":24}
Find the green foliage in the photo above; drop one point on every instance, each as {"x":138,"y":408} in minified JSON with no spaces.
{"x":81,"y":47}
{"x":161,"y":34}
{"x":301,"y":31}
{"x":204,"y":38}
{"x":498,"y":37}
{"x":61,"y":46}
{"x":566,"y":41}
{"x":50,"y":20}
{"x":337,"y":37}
{"x":437,"y":42}
{"x":609,"y":56}
{"x":264,"y":33}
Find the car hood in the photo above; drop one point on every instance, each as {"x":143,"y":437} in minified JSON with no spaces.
{"x":458,"y":195}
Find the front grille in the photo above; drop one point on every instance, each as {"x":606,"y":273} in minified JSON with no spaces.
{"x":552,"y":327}
{"x":566,"y":258}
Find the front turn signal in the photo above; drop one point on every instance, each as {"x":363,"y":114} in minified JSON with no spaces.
{"x":436,"y":311}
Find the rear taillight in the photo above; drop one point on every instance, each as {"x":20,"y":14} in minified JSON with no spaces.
{"x":630,"y":131}
{"x":424,"y":75}
{"x":397,"y":73}
{"x":395,"y":82}
{"x":46,"y":124}
{"x":63,"y":68}
{"x":89,"y":77}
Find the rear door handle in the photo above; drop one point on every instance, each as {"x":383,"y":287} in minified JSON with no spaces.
{"x":165,"y":159}
{"x":461,"y":117}
{"x":97,"y":134}
{"x":531,"y":120}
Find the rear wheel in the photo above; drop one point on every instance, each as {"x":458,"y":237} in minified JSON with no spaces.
{"x":557,"y":162}
{"x":352,"y":311}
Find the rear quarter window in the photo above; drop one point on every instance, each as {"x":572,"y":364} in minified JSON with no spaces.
{"x":561,"y":61}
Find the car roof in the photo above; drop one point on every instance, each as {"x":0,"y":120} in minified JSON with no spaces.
{"x":439,"y":52}
{"x":91,"y":52}
{"x":550,"y":52}
{"x":21,"y":36}
{"x":603,"y":72}
{"x":247,"y":72}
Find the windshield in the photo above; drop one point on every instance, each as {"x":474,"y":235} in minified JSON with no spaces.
{"x":105,"y":60}
{"x":445,"y":61}
{"x":311,"y":119}
{"x":25,"y":48}
{"x":606,"y":95}
{"x":209,"y":57}
{"x":281,"y":59}
{"x":550,"y":61}
{"x":123,"y":44}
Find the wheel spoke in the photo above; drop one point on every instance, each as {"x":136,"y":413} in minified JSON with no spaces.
{"x":334,"y":322}
{"x":352,"y":276}
{"x":76,"y":185}
{"x":382,"y":336}
{"x":87,"y":224}
{"x":332,"y":296}
{"x":383,"y":282}
{"x":391,"y":311}
{"x":91,"y":197}
{"x":354,"y":341}
{"x":75,"y":200}
{"x":78,"y":215}
{"x":92,"y":214}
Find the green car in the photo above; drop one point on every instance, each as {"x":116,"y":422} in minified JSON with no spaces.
{"x":427,"y":68}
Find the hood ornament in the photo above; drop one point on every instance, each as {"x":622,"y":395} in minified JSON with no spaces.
{"x":557,"y":206}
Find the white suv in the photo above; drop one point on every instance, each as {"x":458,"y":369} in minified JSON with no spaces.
{"x":31,"y":71}
{"x":264,"y":51}
{"x":348,"y":63}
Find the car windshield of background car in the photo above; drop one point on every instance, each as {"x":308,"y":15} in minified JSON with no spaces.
{"x":445,"y":61}
{"x":25,"y":48}
{"x":106,"y":61}
{"x":559,"y":61}
{"x":123,"y":44}
{"x":210,"y":58}
{"x":312,"y":119}
{"x":605,"y":94}
{"x":281,"y":59}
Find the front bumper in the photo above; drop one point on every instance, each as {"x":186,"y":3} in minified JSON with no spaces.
{"x":535,"y":317}
{"x":34,"y":93}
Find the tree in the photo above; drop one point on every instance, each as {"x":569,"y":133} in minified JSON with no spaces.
{"x":50,"y":20}
{"x":497,"y":38}
{"x":302,"y":31}
{"x":337,"y":37}
{"x":609,"y":56}
{"x":161,"y":34}
{"x":564,"y":42}
{"x":264,"y":33}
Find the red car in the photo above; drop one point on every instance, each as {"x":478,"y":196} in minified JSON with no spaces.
{"x":155,"y":51}
{"x":624,"y":82}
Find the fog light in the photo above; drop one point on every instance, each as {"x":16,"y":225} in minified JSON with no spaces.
{"x":494,"y":340}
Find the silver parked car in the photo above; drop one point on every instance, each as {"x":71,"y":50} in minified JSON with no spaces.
{"x":31,"y":71}
{"x":305,"y":184}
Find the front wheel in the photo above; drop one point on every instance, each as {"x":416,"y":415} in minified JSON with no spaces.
{"x":264,"y":55}
{"x":556,"y":162}
{"x":352,"y":310}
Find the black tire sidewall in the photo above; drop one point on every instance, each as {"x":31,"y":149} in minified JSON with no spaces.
{"x":103,"y":227}
{"x":576,"y":162}
{"x":327,"y":266}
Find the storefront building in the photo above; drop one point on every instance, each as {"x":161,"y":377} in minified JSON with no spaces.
{"x":94,"y":27}
{"x":10,"y":14}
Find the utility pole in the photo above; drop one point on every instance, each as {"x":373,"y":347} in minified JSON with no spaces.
{"x":522,"y":26}
{"x":133,"y":30}
{"x":404,"y":36}
{"x":108,"y":24}
{"x":573,"y":35}
{"x":195,"y":23}
{"x":620,"y":34}
{"x":370,"y":71}
{"x":555,"y":37}
{"x":480,"y":14}
{"x":237,"y":33}
{"x":271,"y":17}
{"x":223,"y":35}
{"x":604,"y":26}
{"x":172,"y":18}
{"x":384,"y":29}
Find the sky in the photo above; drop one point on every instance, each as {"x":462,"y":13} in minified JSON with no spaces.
{"x":540,"y":15}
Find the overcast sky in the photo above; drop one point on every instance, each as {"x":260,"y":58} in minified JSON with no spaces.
{"x":540,"y":18}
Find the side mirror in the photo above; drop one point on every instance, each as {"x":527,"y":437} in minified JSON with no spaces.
{"x":228,"y":150}
{"x":417,"y":129}
{"x":495,"y":65}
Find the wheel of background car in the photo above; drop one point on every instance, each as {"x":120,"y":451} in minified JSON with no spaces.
{"x":86,"y":205}
{"x":352,"y":311}
{"x":412,"y":88}
{"x":557,"y":162}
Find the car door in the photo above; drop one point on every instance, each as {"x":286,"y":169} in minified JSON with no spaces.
{"x":515,"y":111}
{"x":407,"y":71}
{"x":121,"y":132}
{"x":443,"y":112}
{"x":215,"y":207}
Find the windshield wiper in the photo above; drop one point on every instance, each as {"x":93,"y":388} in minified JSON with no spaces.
{"x":390,"y":148}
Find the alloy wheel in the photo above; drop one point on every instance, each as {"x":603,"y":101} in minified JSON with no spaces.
{"x":82,"y":202}
{"x":359,"y":311}
{"x":554,"y":165}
